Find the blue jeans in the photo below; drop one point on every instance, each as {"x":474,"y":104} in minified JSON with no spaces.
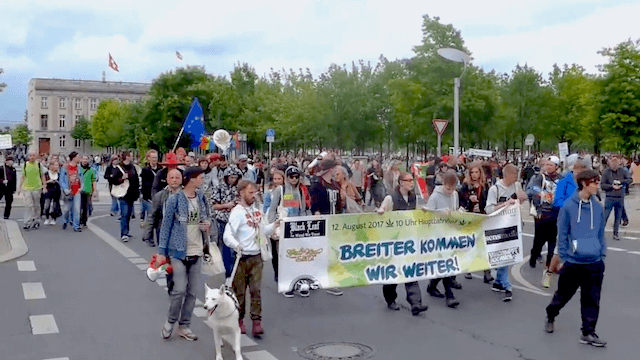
{"x":502,"y":277}
{"x":186,"y":280}
{"x":145,"y":209}
{"x":617,"y":205}
{"x":72,"y":210}
{"x":228,"y":255}
{"x":125,"y":216}
{"x":115,"y":209}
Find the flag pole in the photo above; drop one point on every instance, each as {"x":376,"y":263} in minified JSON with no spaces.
{"x":178,"y":139}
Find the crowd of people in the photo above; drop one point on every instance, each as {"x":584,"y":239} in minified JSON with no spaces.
{"x":187,"y":203}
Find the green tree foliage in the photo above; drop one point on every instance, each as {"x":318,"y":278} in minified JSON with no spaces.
{"x":21,"y":135}
{"x":82,"y":131}
{"x":620,"y":96}
{"x":111,"y":124}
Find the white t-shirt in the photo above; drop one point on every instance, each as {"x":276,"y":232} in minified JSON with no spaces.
{"x":195,"y":247}
{"x":244,"y":226}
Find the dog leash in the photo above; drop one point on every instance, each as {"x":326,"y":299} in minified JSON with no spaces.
{"x":229,"y":280}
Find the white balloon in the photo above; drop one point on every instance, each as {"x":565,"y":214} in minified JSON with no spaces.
{"x":222,"y":139}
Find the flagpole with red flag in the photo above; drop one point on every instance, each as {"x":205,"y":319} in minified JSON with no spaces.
{"x":112,"y":64}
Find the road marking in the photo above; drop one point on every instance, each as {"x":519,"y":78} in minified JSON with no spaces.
{"x":43,"y":324}
{"x":634,"y":252}
{"x":259,"y":355}
{"x":138,"y":261}
{"x":199,"y":302}
{"x":142,"y":266}
{"x":200,"y":312}
{"x":615,"y":249}
{"x":113,"y":242}
{"x":33,"y":291}
{"x":162,"y":282}
{"x":65,"y":358}
{"x":26,"y":266}
{"x":245,"y":341}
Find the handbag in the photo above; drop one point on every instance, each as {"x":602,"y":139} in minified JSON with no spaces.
{"x":212,"y":262}
{"x":533,"y":211}
{"x":119,"y":191}
{"x":262,"y":241}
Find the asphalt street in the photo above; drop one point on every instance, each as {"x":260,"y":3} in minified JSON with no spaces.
{"x":105,"y":308}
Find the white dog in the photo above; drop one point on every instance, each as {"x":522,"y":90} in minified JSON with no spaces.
{"x":222,"y":307}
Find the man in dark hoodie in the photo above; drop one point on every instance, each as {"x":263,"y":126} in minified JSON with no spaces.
{"x":8,"y":184}
{"x":582,"y":248}
{"x":614,"y":179}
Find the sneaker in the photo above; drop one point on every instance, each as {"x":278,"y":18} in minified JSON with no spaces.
{"x":186,"y":333}
{"x":64,"y":226}
{"x":393,"y":306}
{"x":497,"y":287}
{"x":625,"y":223}
{"x":334,"y":291}
{"x":243,"y":329}
{"x":289,"y":294}
{"x":167,"y":329}
{"x":435,"y":293}
{"x":304,"y":293}
{"x":124,"y":238}
{"x":77,"y":230}
{"x":540,"y":259}
{"x":548,"y":326}
{"x":455,"y":284}
{"x":487,"y":277}
{"x":452,"y":302}
{"x":417,"y":309}
{"x":46,"y":222}
{"x":468,"y":276}
{"x":508,"y":295}
{"x":616,"y":237}
{"x":6,"y":218}
{"x":532,"y":264}
{"x":593,"y":340}
{"x":546,"y":279}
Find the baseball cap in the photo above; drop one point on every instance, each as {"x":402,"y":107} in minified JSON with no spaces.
{"x":555,"y":160}
{"x":243,"y":157}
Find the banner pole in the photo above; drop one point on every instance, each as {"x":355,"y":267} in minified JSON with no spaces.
{"x":178,"y":139}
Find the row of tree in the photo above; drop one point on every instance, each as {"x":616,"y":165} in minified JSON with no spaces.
{"x":390,"y":106}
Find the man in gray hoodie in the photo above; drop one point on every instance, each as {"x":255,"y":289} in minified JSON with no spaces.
{"x":444,"y":198}
{"x":505,"y":192}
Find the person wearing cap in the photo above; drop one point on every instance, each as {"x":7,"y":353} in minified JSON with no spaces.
{"x":183,"y":239}
{"x":160,"y":180}
{"x":287,"y":201}
{"x":247,"y":172}
{"x":214,"y":162}
{"x":325,"y":195}
{"x":541,"y":191}
{"x":223,"y":199}
{"x":7,"y":184}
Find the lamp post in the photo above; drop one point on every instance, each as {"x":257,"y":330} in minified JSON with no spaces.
{"x":457,"y":56}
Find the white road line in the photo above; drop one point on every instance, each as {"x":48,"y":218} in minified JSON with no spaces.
{"x":142,"y":266}
{"x":259,"y":355}
{"x":33,"y":291}
{"x":162,"y":282}
{"x":113,"y":242}
{"x":65,"y":358}
{"x":26,"y":265}
{"x":245,"y":341}
{"x":138,"y":261}
{"x":615,"y":249}
{"x":634,"y":252}
{"x":199,"y":312}
{"x":199,"y":302}
{"x":43,"y":324}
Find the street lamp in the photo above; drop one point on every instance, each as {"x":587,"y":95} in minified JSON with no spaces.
{"x":457,"y":56}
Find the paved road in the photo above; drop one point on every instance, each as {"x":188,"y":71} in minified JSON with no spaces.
{"x":105,"y":308}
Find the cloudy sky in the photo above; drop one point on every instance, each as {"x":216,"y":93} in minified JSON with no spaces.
{"x":72,"y":38}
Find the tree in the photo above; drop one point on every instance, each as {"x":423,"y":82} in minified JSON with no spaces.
{"x":2,"y":85}
{"x":620,"y":96}
{"x":82,"y":131}
{"x":20,"y":135}
{"x":109,"y":125}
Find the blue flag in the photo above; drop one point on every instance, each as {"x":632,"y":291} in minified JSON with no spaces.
{"x":194,"y":123}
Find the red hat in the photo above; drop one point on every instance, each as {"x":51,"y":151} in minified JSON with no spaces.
{"x":170,"y":159}
{"x":214,"y":157}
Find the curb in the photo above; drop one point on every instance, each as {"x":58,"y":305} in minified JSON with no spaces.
{"x":18,"y":245}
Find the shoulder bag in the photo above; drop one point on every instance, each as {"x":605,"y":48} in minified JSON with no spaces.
{"x":119,"y":191}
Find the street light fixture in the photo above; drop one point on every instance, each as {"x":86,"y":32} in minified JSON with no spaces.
{"x":457,"y":56}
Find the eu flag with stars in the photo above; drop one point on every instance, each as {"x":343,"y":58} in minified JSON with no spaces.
{"x":194,"y":123}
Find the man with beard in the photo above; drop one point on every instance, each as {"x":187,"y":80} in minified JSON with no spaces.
{"x":242,"y":234}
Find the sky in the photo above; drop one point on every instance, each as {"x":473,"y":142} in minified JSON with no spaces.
{"x":72,"y":39}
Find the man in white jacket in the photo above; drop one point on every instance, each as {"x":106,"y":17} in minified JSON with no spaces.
{"x":242,"y":234}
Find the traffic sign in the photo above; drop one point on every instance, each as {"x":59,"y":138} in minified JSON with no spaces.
{"x":270,"y":139}
{"x":271,"y":132}
{"x":440,"y":125}
{"x":5,"y":141}
{"x":529,"y":140}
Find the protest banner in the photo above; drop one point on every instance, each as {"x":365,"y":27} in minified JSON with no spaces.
{"x":366,"y":249}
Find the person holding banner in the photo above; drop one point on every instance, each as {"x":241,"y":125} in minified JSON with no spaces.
{"x":403,"y":198}
{"x":444,"y":198}
{"x":504,"y":193}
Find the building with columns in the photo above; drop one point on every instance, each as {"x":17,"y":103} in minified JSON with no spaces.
{"x":54,"y":106}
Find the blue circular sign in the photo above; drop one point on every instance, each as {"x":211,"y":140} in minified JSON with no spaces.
{"x":271,"y":132}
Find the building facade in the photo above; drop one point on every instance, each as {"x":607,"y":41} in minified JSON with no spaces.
{"x":55,"y":105}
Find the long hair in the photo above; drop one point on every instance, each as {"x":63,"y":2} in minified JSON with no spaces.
{"x":482,"y":179}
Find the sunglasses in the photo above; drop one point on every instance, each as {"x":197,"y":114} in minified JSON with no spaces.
{"x":294,"y":176}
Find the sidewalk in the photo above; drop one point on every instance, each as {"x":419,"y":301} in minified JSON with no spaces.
{"x":12,"y":244}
